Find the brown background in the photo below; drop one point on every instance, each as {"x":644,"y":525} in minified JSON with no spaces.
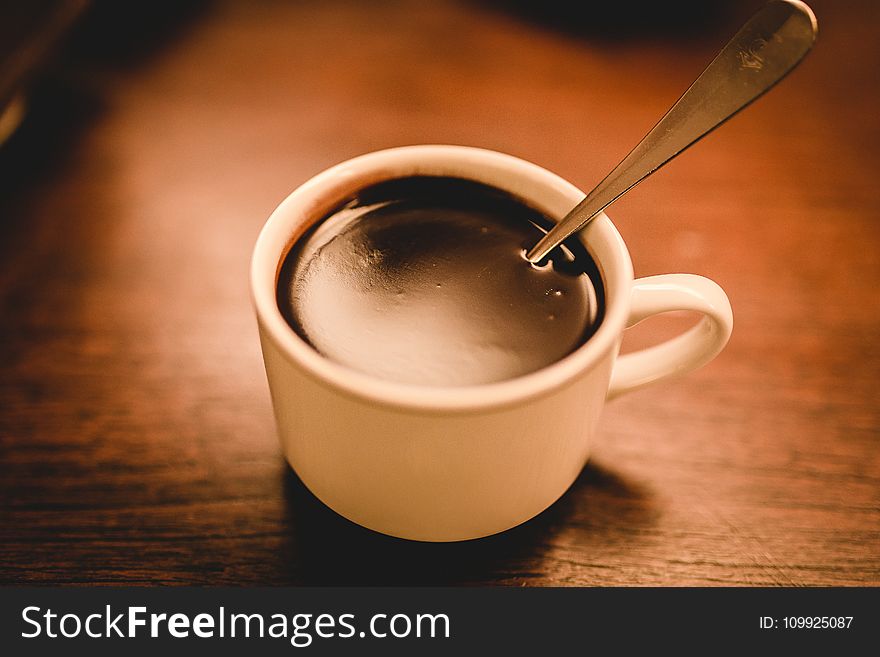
{"x":136,"y":436}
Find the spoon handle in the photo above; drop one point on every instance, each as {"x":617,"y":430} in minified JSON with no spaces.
{"x":765,"y":49}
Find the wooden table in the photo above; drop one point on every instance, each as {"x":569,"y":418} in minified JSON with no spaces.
{"x":136,"y":436}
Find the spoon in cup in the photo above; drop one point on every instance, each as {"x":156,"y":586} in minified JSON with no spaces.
{"x":764,"y":50}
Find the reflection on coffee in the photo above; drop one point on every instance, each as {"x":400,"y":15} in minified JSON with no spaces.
{"x":423,"y":280}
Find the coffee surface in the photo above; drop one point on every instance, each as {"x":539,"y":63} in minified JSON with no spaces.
{"x":424,"y":280}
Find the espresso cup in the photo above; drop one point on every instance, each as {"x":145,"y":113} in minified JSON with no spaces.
{"x":455,"y":463}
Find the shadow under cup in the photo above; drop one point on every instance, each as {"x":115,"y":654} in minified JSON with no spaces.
{"x":436,"y":463}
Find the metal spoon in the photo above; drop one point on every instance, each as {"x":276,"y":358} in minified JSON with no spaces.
{"x":765,"y":49}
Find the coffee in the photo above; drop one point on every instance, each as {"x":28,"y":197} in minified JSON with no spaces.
{"x":423,"y":280}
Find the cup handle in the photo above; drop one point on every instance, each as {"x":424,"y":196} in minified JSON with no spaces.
{"x":694,"y":348}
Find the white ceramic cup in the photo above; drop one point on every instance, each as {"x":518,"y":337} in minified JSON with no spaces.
{"x":447,"y":464}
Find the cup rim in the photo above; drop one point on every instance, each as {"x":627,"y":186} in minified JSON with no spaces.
{"x":539,"y":187}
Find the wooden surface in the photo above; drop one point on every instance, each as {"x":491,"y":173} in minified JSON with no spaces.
{"x":136,"y":436}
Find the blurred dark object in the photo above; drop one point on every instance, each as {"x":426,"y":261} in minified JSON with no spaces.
{"x":74,"y":52}
{"x":121,"y":34}
{"x":623,"y":20}
{"x":29,"y":31}
{"x":85,"y":37}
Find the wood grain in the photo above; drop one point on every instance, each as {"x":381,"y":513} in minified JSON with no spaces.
{"x":136,"y":436}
